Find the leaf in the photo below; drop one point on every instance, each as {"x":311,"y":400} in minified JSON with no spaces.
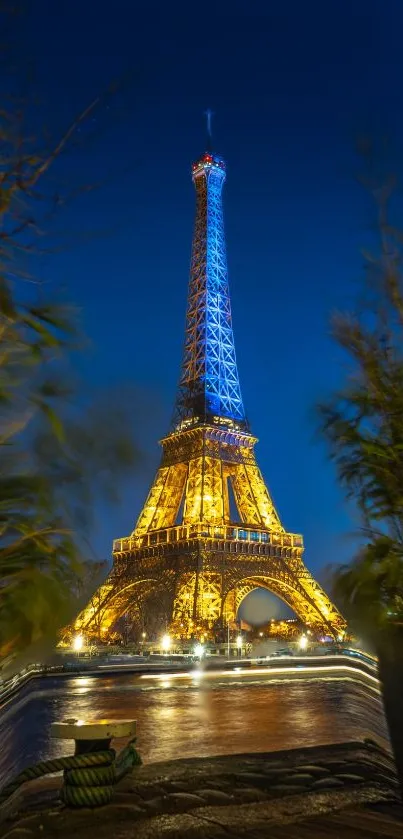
{"x":54,"y":419}
{"x":7,"y":306}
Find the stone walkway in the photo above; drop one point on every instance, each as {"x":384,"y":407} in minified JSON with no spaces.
{"x":235,"y":796}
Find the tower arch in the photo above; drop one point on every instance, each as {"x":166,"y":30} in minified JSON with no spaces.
{"x":110,"y":602}
{"x":303,"y":608}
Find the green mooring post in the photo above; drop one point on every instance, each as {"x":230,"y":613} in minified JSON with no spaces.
{"x":91,"y":773}
{"x":97,"y":769}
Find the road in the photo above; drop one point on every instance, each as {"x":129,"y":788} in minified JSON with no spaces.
{"x":195,"y":714}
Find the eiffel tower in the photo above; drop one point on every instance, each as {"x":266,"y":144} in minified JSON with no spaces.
{"x":187,"y":544}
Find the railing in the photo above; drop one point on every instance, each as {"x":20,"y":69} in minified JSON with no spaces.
{"x":189,"y":532}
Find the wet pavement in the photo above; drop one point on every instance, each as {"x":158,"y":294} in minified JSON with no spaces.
{"x":327,"y":791}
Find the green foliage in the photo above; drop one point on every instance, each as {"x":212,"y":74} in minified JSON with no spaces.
{"x":371,"y":588}
{"x":36,"y":547}
{"x":58,"y":453}
{"x":363,"y":424}
{"x":363,"y":427}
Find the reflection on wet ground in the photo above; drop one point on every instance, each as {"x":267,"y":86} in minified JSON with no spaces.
{"x":192,"y":716}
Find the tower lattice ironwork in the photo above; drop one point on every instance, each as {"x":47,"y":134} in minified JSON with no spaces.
{"x":186,"y":547}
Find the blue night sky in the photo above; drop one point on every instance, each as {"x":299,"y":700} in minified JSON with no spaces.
{"x":292,"y":85}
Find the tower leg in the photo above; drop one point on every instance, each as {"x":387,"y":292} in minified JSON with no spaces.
{"x":198,"y":604}
{"x":252,"y":498}
{"x":183,"y":620}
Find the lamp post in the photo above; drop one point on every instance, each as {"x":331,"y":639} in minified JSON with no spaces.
{"x":166,"y":643}
{"x":239,"y":644}
{"x":78,"y":643}
{"x":303,"y":643}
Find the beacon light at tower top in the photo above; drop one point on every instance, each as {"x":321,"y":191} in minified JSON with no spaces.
{"x":208,"y":160}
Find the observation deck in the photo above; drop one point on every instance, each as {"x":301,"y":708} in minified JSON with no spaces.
{"x":232,"y":539}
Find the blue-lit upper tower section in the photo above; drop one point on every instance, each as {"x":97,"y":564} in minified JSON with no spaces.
{"x":209,"y":390}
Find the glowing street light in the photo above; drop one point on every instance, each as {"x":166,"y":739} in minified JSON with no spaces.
{"x":303,"y":643}
{"x":199,"y":650}
{"x":144,"y":635}
{"x":78,"y":643}
{"x":166,"y":643}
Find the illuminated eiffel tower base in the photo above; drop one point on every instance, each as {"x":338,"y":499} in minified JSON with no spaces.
{"x":208,"y":533}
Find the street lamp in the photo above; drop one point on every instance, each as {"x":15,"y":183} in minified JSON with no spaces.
{"x":199,"y":650}
{"x":303,"y":643}
{"x":144,"y":635}
{"x":78,"y":643}
{"x":166,"y":643}
{"x":239,"y":644}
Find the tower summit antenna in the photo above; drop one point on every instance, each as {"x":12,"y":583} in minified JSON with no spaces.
{"x":209,"y":114}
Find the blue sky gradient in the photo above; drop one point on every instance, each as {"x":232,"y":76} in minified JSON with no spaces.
{"x":292,"y":85}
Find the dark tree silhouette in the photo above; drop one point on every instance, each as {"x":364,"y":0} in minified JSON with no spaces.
{"x":363,"y":426}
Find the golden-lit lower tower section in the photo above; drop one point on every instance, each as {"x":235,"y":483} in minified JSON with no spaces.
{"x":208,"y":533}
